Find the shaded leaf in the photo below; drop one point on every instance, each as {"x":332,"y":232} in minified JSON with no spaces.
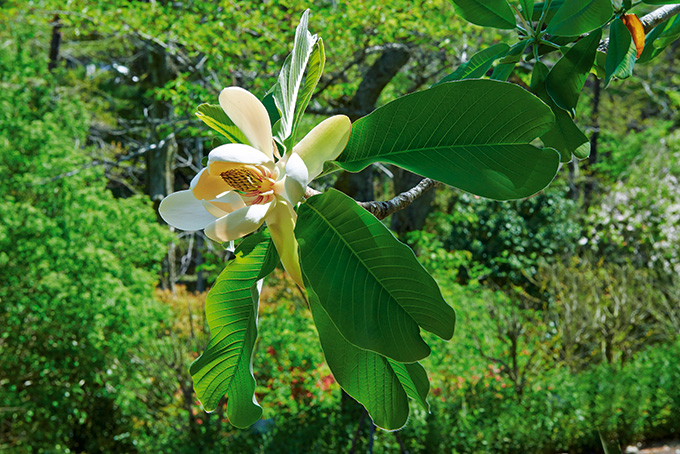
{"x":576,"y":17}
{"x":507,"y":64}
{"x":478,"y":64}
{"x":371,"y":285}
{"x":527,"y":9}
{"x":225,"y":367}
{"x":621,"y":53}
{"x":566,"y":79}
{"x":471,"y":134}
{"x":564,"y":136}
{"x":487,"y":13}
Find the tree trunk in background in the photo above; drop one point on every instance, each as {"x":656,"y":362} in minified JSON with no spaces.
{"x":360,"y":185}
{"x":55,"y":42}
{"x":160,"y":158}
{"x":413,"y":217}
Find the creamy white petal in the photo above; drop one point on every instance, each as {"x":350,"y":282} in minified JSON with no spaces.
{"x":224,"y":205}
{"x":184,"y":211}
{"x":234,"y":155}
{"x":281,"y":223}
{"x":324,"y":143}
{"x":296,"y":179}
{"x":250,"y":115}
{"x":206,"y":186}
{"x":238,"y":223}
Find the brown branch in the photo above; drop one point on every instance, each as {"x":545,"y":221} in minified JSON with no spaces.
{"x":382,"y":209}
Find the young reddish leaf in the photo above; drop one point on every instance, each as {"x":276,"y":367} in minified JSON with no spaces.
{"x":636,"y":30}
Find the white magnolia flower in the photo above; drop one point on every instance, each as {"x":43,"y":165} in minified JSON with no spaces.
{"x":243,"y":186}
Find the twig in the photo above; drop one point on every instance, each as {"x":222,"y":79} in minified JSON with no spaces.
{"x":382,"y":209}
{"x":659,"y":15}
{"x":649,"y":21}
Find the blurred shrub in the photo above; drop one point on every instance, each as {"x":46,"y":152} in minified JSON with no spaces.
{"x":505,"y":240}
{"x":77,"y":269}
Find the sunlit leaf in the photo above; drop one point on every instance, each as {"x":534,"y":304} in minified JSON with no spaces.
{"x":576,"y":17}
{"x":471,"y":134}
{"x":487,"y":13}
{"x":288,"y":85}
{"x":371,"y":379}
{"x":371,"y":285}
{"x":214,"y":116}
{"x":231,"y":312}
{"x":314,"y":70}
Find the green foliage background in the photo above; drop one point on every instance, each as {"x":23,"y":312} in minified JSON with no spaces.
{"x":567,"y":301}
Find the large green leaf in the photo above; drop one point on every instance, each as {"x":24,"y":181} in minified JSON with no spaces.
{"x":225,"y":367}
{"x":566,"y":79}
{"x":370,"y":284}
{"x":478,"y":64}
{"x":288,"y":85}
{"x":471,"y":134}
{"x":564,"y":136}
{"x":487,"y":13}
{"x":576,"y":17}
{"x":215,"y":117}
{"x":621,"y":53}
{"x":378,"y":383}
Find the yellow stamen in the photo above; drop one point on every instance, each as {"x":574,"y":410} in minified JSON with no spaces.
{"x":243,"y":179}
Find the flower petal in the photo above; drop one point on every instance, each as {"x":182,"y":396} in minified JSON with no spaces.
{"x":281,"y":223}
{"x":184,"y":211}
{"x":238,"y":223}
{"x":206,"y":186}
{"x":324,"y":143}
{"x":296,"y":179}
{"x":234,"y":155}
{"x":250,"y":116}
{"x":224,"y":205}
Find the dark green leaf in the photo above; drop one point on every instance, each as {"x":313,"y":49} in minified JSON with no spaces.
{"x":527,"y":9}
{"x":270,"y":105}
{"x":215,"y":117}
{"x":552,"y":9}
{"x":288,"y":85}
{"x":577,"y":17}
{"x":621,"y":53}
{"x":369,"y":284}
{"x":487,"y":13}
{"x":471,"y":134}
{"x":507,"y":64}
{"x":566,"y":79}
{"x":564,"y":136}
{"x":231,"y":312}
{"x":478,"y":64}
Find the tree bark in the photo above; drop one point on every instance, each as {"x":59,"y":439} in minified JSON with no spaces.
{"x":414,"y":215}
